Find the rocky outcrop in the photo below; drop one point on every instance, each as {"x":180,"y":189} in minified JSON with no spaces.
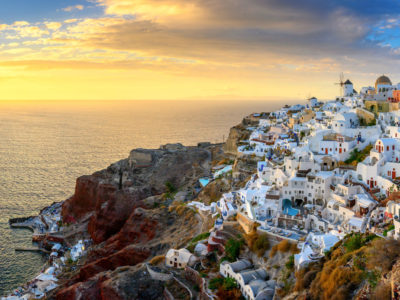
{"x":112,"y":210}
{"x":84,"y":199}
{"x":128,"y":256}
{"x":124,"y":283}
{"x":146,"y":233}
{"x":111,"y":195}
{"x":236,"y":134}
{"x":129,"y":221}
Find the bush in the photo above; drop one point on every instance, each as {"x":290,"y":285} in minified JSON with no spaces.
{"x":372,"y":278}
{"x":260,"y":245}
{"x":232,"y":249}
{"x":390,"y":228}
{"x":229,"y":284}
{"x":200,"y":237}
{"x":284,"y":246}
{"x":215,"y":283}
{"x":290,"y":263}
{"x":221,"y":282}
{"x":273,"y":251}
{"x":353,"y":243}
{"x":293,"y":248}
{"x":170,"y":187}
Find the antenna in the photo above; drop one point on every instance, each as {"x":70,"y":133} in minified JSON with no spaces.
{"x":341,"y":83}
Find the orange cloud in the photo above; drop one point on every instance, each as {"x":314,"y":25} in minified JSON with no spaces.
{"x":74,"y":7}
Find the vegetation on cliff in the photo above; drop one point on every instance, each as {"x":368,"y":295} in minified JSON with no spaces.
{"x":355,"y":268}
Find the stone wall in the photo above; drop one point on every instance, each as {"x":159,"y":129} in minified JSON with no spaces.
{"x":158,"y":275}
{"x":247,"y":224}
{"x":138,"y":157}
{"x":194,"y":276}
{"x":364,"y":114}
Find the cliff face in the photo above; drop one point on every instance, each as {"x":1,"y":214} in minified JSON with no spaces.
{"x":239,"y":133}
{"x":236,"y":134}
{"x":123,"y":283}
{"x":111,"y":195}
{"x":128,"y":218}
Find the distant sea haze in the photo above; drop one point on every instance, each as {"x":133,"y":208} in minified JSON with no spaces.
{"x":46,"y":145}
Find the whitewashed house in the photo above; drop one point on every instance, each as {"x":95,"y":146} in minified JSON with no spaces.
{"x":180,"y":258}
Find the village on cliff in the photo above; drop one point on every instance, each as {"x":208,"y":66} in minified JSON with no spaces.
{"x":324,"y":170}
{"x":327,"y":169}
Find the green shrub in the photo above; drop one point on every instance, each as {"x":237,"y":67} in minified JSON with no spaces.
{"x":215,"y":283}
{"x":232,"y":249}
{"x":200,"y":237}
{"x":353,"y":243}
{"x":373,"y":278}
{"x":229,"y":284}
{"x":290,"y":263}
{"x":170,"y":187}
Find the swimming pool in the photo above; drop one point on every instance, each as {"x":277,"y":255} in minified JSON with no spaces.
{"x":288,"y":209}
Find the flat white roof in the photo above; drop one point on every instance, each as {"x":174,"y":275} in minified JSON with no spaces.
{"x":356,"y":222}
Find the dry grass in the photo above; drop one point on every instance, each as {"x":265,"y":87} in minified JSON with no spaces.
{"x":284,"y":246}
{"x":382,"y":291}
{"x":383,"y":254}
{"x":156,"y":260}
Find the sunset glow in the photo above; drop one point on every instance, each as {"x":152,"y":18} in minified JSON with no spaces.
{"x":179,"y":49}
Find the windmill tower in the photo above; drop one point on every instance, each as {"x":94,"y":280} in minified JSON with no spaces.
{"x":341,"y":83}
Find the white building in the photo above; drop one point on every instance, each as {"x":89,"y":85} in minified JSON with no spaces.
{"x":252,"y":282}
{"x":180,"y":258}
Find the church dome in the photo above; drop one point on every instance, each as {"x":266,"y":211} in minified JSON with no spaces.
{"x":382,"y":80}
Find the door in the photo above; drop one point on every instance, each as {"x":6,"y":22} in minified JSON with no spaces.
{"x":393,"y":174}
{"x":326,"y":150}
{"x":340,"y":150}
{"x":175,"y":264}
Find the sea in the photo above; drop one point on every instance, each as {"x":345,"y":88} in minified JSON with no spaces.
{"x":46,"y":145}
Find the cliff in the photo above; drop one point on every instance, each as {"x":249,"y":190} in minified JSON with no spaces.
{"x":239,"y":133}
{"x":110,"y":196}
{"x":131,"y":218}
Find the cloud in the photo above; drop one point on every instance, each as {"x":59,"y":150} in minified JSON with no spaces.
{"x":74,"y":7}
{"x":53,"y":25}
{"x":271,"y":41}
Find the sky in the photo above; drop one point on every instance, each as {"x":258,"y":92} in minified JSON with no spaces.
{"x":194,"y":49}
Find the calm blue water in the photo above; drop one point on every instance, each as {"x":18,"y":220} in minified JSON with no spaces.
{"x":45,"y":146}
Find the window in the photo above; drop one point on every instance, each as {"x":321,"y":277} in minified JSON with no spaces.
{"x":387,"y":148}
